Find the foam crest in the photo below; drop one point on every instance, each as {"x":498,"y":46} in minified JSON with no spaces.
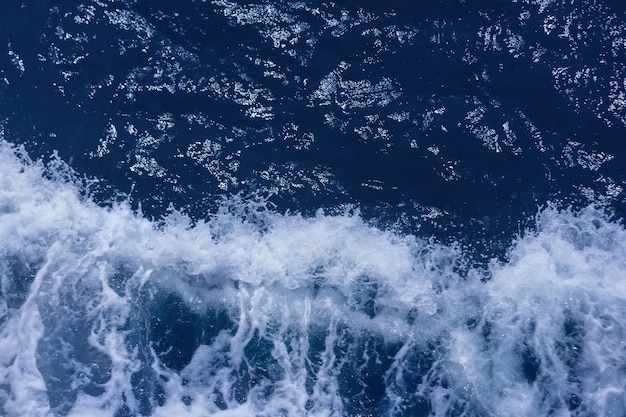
{"x":252,"y":312}
{"x":556,"y":313}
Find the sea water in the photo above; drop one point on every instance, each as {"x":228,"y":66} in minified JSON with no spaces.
{"x":310,"y":208}
{"x":251,"y":312}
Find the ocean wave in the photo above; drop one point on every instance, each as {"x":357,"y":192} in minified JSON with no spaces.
{"x":254,"y":312}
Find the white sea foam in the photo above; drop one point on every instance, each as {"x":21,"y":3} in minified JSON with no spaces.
{"x":105,"y":313}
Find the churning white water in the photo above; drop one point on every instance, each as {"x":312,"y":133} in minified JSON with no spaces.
{"x":254,"y":313}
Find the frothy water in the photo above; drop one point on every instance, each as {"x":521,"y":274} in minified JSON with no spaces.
{"x":251,"y":312}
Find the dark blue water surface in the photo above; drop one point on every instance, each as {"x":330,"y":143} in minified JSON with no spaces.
{"x":483,"y":112}
{"x":451,"y":122}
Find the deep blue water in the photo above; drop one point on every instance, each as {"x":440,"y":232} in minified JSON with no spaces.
{"x":313,"y":209}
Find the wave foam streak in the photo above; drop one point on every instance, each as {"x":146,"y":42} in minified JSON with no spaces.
{"x":103,"y":312}
{"x":556,"y":316}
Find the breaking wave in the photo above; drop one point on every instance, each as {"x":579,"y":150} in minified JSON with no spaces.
{"x":104,"y":312}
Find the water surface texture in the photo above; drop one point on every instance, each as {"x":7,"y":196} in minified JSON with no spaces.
{"x":275,"y":208}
